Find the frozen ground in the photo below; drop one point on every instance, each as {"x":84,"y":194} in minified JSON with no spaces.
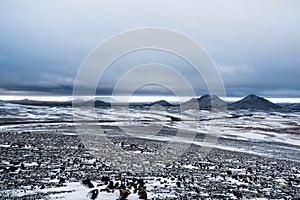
{"x":257,"y":154}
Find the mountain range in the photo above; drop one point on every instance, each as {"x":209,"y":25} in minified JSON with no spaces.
{"x":97,"y":103}
{"x":250,"y":102}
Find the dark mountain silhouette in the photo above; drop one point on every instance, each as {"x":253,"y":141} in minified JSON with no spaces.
{"x":253,"y":102}
{"x":57,"y":103}
{"x":156,"y":103}
{"x":284,"y":105}
{"x":40,"y":103}
{"x":96,"y":103}
{"x":206,"y":102}
{"x":161,"y":103}
{"x":106,"y":99}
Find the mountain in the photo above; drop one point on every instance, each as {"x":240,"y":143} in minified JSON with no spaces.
{"x":89,"y":103}
{"x":253,"y":102}
{"x":206,"y":102}
{"x":101,"y":104}
{"x":161,"y":103}
{"x":107,"y":100}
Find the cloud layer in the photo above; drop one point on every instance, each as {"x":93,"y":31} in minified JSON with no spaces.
{"x":255,"y":44}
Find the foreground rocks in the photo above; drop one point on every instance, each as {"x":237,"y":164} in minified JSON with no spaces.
{"x":39,"y":161}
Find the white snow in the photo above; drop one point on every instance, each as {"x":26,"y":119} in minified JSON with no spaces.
{"x":4,"y":145}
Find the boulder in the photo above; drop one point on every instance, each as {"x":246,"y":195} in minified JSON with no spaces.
{"x":93,"y":194}
{"x":142,"y":193}
{"x":124,"y":193}
{"x":87,"y":182}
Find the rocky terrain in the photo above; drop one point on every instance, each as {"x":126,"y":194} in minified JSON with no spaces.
{"x":43,"y":155}
{"x":51,"y":165}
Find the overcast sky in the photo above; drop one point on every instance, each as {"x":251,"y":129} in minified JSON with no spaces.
{"x":254,"y":44}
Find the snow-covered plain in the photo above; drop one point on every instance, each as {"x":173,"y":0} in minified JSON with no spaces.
{"x":270,"y":134}
{"x":259,"y":127}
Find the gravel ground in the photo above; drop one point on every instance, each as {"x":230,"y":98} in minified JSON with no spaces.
{"x":32,"y":162}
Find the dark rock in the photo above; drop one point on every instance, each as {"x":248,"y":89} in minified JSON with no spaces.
{"x":142,"y":193}
{"x":116,"y":186}
{"x":14,"y":162}
{"x":106,"y":190}
{"x":105,"y":179}
{"x":237,"y":193}
{"x":124,"y":194}
{"x":62,"y":180}
{"x":141,"y":183}
{"x":62,"y":168}
{"x":175,"y":119}
{"x":94,"y":193}
{"x":13,"y":168}
{"x":122,"y":186}
{"x":22,"y":166}
{"x":110,"y":185}
{"x":87,"y":182}
{"x":249,"y":170}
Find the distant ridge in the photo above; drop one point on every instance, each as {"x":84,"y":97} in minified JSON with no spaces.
{"x":253,"y":102}
{"x":40,"y":103}
{"x":294,"y":106}
{"x":57,"y":103}
{"x":206,"y":102}
{"x":162,"y":103}
{"x":96,"y":103}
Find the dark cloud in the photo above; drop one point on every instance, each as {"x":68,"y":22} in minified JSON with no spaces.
{"x":254,"y":44}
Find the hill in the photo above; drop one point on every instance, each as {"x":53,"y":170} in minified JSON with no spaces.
{"x":206,"y":102}
{"x":97,"y":103}
{"x":253,"y":102}
{"x":161,"y":103}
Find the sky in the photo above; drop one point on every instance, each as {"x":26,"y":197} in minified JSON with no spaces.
{"x":254,"y":44}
